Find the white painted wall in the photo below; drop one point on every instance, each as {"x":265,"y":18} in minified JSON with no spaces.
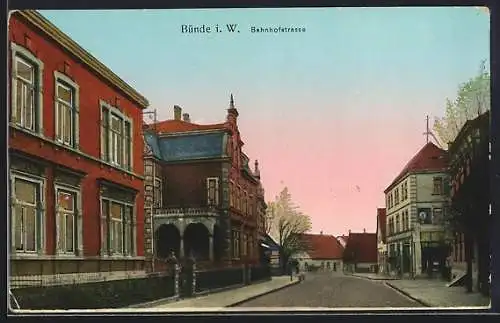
{"x":304,"y":258}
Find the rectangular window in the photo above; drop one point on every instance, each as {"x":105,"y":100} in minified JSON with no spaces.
{"x":158,"y":187}
{"x":27,"y":237}
{"x":65,"y":113}
{"x":236,"y":245}
{"x":127,"y":146}
{"x":250,"y":246}
{"x":437,"y":186}
{"x":437,"y":216}
{"x":24,"y":110}
{"x":128,"y":233}
{"x":213,"y":191}
{"x":105,"y":134}
{"x":66,"y":221}
{"x":245,"y":203}
{"x":116,"y":138}
{"x":117,"y":228}
{"x":245,"y":245}
{"x":231,"y":194}
{"x":104,"y":227}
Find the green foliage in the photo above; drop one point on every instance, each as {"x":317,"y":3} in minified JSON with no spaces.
{"x":473,"y":99}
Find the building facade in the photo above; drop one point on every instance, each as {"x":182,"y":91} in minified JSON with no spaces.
{"x":470,"y":202}
{"x":381,"y":241}
{"x":322,"y":252}
{"x":360,"y":253}
{"x":75,"y":159}
{"x":210,"y":203}
{"x":415,"y":202}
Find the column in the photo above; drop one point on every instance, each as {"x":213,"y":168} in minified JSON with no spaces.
{"x":211,"y":247}
{"x":181,"y":248}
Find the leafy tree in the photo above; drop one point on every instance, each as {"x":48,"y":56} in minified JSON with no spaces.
{"x":285,"y":223}
{"x":473,"y":99}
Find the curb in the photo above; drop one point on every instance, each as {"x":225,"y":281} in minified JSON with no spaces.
{"x":408,"y":295}
{"x":262,"y":294}
{"x":170,"y":299}
{"x":374,"y":279}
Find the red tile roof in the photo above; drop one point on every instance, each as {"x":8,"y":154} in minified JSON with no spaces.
{"x":362,"y":246}
{"x":381,"y":222}
{"x":429,"y":158}
{"x":322,"y":246}
{"x":171,"y":126}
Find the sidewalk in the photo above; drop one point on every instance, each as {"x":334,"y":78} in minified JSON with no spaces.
{"x":372,"y":276}
{"x":229,"y":298}
{"x":435,"y":293}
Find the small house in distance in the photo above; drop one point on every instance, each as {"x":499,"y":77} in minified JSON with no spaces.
{"x":321,"y":252}
{"x":270,"y":254}
{"x":360,"y":253}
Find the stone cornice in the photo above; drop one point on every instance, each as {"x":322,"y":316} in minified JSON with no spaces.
{"x":71,"y":46}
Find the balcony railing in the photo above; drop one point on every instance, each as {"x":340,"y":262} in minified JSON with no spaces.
{"x":189,"y":211}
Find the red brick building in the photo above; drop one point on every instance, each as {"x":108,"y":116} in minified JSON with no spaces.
{"x":360,"y":253}
{"x":205,"y":199}
{"x":75,"y":159}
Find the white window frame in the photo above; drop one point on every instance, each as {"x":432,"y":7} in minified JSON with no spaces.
{"x":64,"y":81}
{"x":437,"y":179}
{"x":236,"y":244}
{"x":133,"y":227}
{"x":40,"y":229}
{"x":114,"y":112}
{"x":37,"y":113}
{"x":215,"y":200}
{"x":77,"y":220}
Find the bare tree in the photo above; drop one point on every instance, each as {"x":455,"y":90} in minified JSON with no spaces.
{"x":285,"y":222}
{"x":473,"y":99}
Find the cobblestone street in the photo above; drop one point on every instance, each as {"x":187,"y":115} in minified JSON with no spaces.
{"x":334,"y":290}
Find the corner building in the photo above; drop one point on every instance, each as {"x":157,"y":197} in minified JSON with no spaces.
{"x":75,"y":160}
{"x":206,"y":202}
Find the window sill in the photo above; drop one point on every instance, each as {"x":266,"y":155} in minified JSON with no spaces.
{"x":119,"y":257}
{"x":74,"y":150}
{"x":45,"y":257}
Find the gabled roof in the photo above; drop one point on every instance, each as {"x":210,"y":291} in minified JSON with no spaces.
{"x":381,"y":222}
{"x":322,"y":246}
{"x":66,"y":42}
{"x":429,"y":158}
{"x":362,"y":246}
{"x":173,"y":126}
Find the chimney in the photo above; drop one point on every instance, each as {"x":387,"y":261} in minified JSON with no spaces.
{"x":185,"y":117}
{"x":177,"y":112}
